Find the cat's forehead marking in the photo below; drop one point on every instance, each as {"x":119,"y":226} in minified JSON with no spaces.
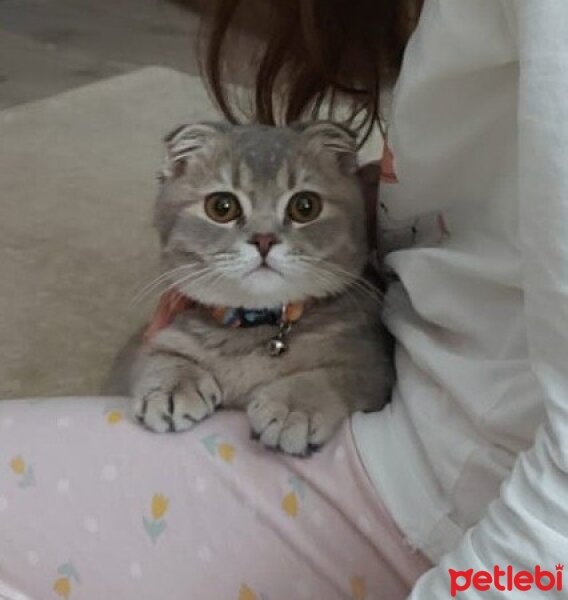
{"x":247,"y":179}
{"x":263,"y":150}
{"x":234,"y":175}
{"x":229,"y":176}
{"x":285,"y":178}
{"x":243,"y":177}
{"x":301,"y":174}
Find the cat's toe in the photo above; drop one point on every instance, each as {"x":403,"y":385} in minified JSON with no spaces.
{"x":152,"y":410}
{"x":175,"y":410}
{"x":267,"y":417}
{"x":321,"y":428}
{"x":294,"y":435}
{"x":297,"y":432}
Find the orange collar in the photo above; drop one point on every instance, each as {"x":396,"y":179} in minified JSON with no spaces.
{"x":173,"y":303}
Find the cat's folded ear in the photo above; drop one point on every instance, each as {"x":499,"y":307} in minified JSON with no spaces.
{"x":322,"y":136}
{"x":185,"y":142}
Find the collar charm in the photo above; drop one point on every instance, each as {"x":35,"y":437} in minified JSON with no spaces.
{"x":173,"y":303}
{"x":289,"y":314}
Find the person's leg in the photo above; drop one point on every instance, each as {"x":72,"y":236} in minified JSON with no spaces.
{"x":92,"y":506}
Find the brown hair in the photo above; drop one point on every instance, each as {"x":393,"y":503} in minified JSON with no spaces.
{"x":315,"y":58}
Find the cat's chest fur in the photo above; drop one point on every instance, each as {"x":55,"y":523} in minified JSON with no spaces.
{"x":251,"y":218}
{"x":239,"y":360}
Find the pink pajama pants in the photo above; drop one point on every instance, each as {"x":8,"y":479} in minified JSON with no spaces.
{"x":93,"y":507}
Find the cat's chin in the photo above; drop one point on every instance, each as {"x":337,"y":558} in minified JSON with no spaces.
{"x":264,"y":278}
{"x":264,"y":287}
{"x":261,"y":288}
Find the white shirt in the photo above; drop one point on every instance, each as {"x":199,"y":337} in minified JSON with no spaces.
{"x":479,"y":133}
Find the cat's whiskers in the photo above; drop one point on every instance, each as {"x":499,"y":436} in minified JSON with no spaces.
{"x":357,"y":283}
{"x":330,"y":283}
{"x":346,"y":290}
{"x":191,"y":278}
{"x":332,"y":278}
{"x":222,"y":264}
{"x":336,"y":286}
{"x":355,"y":279}
{"x":209,"y":280}
{"x":217,"y":278}
{"x":237,"y":267}
{"x":220,"y":257}
{"x":160,"y":279}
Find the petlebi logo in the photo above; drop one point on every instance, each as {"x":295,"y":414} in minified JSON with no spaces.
{"x":506,"y":580}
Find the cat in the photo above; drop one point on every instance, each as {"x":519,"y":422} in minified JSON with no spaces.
{"x":263,"y":241}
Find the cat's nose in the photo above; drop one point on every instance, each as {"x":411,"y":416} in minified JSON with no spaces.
{"x":264,"y":242}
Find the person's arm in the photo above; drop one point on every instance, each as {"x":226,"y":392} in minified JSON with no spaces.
{"x":528,"y":524}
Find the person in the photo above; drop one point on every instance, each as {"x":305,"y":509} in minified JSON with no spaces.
{"x":458,"y":485}
{"x":470,"y":457}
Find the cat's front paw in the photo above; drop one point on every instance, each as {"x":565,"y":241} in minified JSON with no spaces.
{"x":179,"y":407}
{"x":295,"y":430}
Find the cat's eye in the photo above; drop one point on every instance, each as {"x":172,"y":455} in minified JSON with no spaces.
{"x":304,"y":207}
{"x":222,"y":207}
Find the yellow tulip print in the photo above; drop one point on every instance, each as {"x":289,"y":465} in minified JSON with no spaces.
{"x":358,"y":588}
{"x":226,"y":452}
{"x":223,"y":450}
{"x":290,"y":504}
{"x":18,"y":465}
{"x":245,"y":593}
{"x":62,"y":587}
{"x":291,"y":501}
{"x":114,"y":417}
{"x":159,"y":506}
{"x":24,"y":472}
{"x":67,"y":573}
{"x":156,"y":524}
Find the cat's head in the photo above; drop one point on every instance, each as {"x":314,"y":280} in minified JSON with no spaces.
{"x":258,"y":216}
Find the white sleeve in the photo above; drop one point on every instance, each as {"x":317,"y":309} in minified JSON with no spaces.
{"x":528,"y":524}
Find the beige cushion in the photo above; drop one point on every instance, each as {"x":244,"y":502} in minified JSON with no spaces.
{"x":76,"y":189}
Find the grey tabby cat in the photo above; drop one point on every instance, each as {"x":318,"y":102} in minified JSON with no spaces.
{"x":262,"y":227}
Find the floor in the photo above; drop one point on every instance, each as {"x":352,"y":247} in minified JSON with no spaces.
{"x":48,"y":46}
{"x":77,"y":183}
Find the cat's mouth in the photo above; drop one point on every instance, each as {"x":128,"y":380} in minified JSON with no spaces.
{"x":264,"y":267}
